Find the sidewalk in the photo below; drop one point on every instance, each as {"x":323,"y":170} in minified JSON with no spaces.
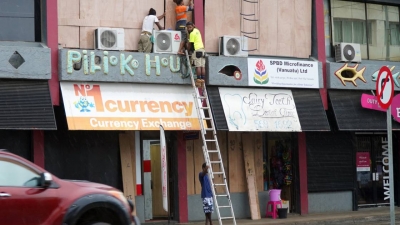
{"x":375,"y":216}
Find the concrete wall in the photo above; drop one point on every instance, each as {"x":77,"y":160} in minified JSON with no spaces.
{"x":240,"y":203}
{"x":330,"y":202}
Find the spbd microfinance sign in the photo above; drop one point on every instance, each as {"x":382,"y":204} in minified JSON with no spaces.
{"x":106,"y":106}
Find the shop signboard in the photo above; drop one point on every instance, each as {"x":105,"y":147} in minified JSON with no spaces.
{"x":111,"y":106}
{"x":371,"y":102}
{"x":259,"y":109}
{"x":363,"y":161}
{"x":282,"y":73}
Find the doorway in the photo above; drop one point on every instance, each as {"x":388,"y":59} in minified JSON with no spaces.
{"x":371,"y":171}
{"x":152,"y":181}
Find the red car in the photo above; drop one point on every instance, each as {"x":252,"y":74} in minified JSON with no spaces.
{"x":32,"y":196}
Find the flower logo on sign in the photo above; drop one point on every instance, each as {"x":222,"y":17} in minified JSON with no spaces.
{"x":260,"y":73}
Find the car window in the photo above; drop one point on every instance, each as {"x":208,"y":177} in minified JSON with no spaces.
{"x":17,"y":175}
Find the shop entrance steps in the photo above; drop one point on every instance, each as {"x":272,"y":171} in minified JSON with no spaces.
{"x":211,"y":152}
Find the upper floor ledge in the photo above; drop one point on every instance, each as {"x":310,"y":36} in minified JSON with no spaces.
{"x":24,"y":60}
{"x":137,"y":67}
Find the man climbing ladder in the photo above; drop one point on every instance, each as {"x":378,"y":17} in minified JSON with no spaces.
{"x":211,"y":151}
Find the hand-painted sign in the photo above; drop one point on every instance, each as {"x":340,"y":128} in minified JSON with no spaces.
{"x":282,"y":73}
{"x":363,"y":161}
{"x":259,"y":109}
{"x":385,"y":87}
{"x":107,"y":106}
{"x":116,"y":66}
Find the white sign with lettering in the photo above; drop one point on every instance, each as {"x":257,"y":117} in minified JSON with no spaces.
{"x":283,"y":73}
{"x":259,"y":109}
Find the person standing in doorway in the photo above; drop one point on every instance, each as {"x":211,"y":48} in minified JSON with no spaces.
{"x":206,"y":193}
{"x":181,"y":19}
{"x":145,"y":44}
{"x":196,"y":42}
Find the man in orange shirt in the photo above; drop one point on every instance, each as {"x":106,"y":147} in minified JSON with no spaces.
{"x":181,"y":19}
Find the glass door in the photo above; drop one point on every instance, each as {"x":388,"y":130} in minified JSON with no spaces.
{"x":370,"y":153}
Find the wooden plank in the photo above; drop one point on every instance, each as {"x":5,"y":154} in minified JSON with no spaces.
{"x":135,"y":11}
{"x":269,"y":23}
{"x":132,"y":146}
{"x":218,"y":23}
{"x":68,"y":9}
{"x":302,"y":28}
{"x":191,"y":173}
{"x":68,"y":36}
{"x":170,"y":15}
{"x":86,"y":37}
{"x":199,"y":160}
{"x":237,"y":178}
{"x":223,"y":145}
{"x":285,"y":28}
{"x":132,"y":39}
{"x":126,"y":167}
{"x":248,"y":157}
{"x":259,"y":160}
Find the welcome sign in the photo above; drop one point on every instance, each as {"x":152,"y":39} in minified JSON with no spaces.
{"x":259,"y":109}
{"x":107,"y":106}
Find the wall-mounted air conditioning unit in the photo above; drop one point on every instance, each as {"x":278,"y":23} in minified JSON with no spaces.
{"x":347,"y":52}
{"x":166,"y":41}
{"x":233,"y":46}
{"x":109,"y":38}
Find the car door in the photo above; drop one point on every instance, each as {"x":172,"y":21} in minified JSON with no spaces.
{"x":22,"y":200}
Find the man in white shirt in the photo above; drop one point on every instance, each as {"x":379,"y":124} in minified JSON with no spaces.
{"x":145,"y":44}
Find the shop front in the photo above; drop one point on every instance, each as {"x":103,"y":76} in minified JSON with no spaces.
{"x":263,"y":109}
{"x":360,"y":122}
{"x":113,"y":106}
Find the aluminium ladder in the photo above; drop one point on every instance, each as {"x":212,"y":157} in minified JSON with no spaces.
{"x":211,"y":151}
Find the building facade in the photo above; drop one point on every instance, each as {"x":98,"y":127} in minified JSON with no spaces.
{"x":285,"y":101}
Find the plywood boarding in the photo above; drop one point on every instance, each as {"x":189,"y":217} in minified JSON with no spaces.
{"x":126,"y":166}
{"x":223,"y":146}
{"x":248,"y":157}
{"x":69,"y":36}
{"x":132,"y":37}
{"x":191,"y":173}
{"x":237,"y":178}
{"x":86,"y":37}
{"x":285,"y":26}
{"x":132,"y":146}
{"x":258,"y":160}
{"x":220,"y":22}
{"x":199,"y":160}
{"x":68,"y":9}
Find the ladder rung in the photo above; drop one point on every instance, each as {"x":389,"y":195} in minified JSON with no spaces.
{"x":218,"y":173}
{"x":204,"y":107}
{"x":224,"y":206}
{"x":210,"y":140}
{"x":215,"y":162}
{"x":219,"y":184}
{"x":226,"y":218}
{"x":202,"y":97}
{"x":213,"y":151}
{"x":208,"y":118}
{"x":221,"y":195}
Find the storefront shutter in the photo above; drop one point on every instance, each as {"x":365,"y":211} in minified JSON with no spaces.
{"x":216,"y":108}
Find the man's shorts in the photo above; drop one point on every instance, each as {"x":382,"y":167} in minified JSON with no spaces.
{"x":208,"y":205}
{"x":181,"y":26}
{"x":199,"y":62}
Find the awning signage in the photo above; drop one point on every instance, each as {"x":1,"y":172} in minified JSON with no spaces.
{"x":259,"y":109}
{"x":112,"y":106}
{"x":282,"y":73}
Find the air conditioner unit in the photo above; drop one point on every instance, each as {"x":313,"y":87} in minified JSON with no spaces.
{"x":109,"y":38}
{"x":233,"y":46}
{"x":347,"y":52}
{"x":166,"y":41}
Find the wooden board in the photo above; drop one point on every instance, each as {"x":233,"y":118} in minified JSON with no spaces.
{"x":258,"y":160}
{"x":68,"y":9}
{"x":132,"y":145}
{"x":132,"y":37}
{"x":237,"y":177}
{"x":68,"y":36}
{"x":126,"y":167}
{"x":223,"y":146}
{"x":157,"y":199}
{"x":191,"y":173}
{"x":248,"y":157}
{"x":199,"y":160}
{"x":86,"y":37}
